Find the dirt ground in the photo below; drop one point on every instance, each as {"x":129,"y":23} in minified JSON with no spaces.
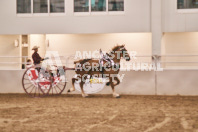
{"x":98,"y":113}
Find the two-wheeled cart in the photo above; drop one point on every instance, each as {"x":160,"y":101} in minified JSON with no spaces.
{"x":39,"y":82}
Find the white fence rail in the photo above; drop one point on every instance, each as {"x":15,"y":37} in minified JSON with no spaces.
{"x":163,"y":60}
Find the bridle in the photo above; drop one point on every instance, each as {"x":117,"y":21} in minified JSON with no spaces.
{"x":109,"y":59}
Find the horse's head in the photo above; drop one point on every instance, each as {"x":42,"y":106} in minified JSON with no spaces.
{"x":122,"y":51}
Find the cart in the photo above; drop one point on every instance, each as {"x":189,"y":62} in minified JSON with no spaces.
{"x":40,"y":82}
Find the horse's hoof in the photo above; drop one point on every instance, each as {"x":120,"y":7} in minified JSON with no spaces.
{"x":70,"y":90}
{"x":85,"y":96}
{"x":118,"y":96}
{"x":108,"y":83}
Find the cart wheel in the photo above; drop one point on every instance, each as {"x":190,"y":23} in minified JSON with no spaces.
{"x":58,"y":83}
{"x":36,"y":82}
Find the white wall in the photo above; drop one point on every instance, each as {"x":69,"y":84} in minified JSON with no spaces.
{"x":134,"y":83}
{"x":7,"y":48}
{"x":138,"y":17}
{"x":177,"y":22}
{"x":180,"y":44}
{"x":135,"y":19}
{"x":177,"y":82}
{"x":68,"y":44}
{"x":37,"y":40}
{"x":156,"y":26}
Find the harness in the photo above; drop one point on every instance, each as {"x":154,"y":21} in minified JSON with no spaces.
{"x":105,"y":58}
{"x":104,"y":61}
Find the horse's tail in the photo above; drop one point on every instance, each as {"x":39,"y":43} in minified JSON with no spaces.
{"x":76,"y":62}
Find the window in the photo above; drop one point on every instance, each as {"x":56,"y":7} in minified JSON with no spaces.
{"x":57,"y":6}
{"x":98,"y":5}
{"x":81,"y":5}
{"x":187,"y":4}
{"x":40,"y":6}
{"x":116,"y":5}
{"x":23,"y":6}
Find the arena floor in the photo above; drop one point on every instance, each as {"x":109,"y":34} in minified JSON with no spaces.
{"x":72,"y":113}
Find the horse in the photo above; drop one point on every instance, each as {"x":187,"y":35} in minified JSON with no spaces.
{"x":109,"y":68}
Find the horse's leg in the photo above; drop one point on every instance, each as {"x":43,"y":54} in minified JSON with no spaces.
{"x":73,"y":88}
{"x":116,"y":78}
{"x":113,"y":87}
{"x":82,"y":90}
{"x":118,"y":81}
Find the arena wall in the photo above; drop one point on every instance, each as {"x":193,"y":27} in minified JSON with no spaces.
{"x":177,"y":82}
{"x":174,"y":82}
{"x":146,"y":26}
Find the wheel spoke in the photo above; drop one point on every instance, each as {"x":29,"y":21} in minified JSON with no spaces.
{"x":58,"y":87}
{"x":52,"y":91}
{"x":61,"y":84}
{"x":27,"y":83}
{"x":39,"y":92}
{"x":55,"y":89}
{"x":35,"y":92}
{"x":32,"y":90}
{"x":26,"y":79}
{"x":29,"y":87}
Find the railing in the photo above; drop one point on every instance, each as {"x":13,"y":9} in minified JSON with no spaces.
{"x":10,"y":63}
{"x":163,"y":60}
{"x":181,"y":60}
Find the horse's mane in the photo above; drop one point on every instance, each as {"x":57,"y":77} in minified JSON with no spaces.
{"x":115,"y":48}
{"x":82,"y":61}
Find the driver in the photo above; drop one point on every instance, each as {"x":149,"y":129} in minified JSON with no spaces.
{"x":35,"y":56}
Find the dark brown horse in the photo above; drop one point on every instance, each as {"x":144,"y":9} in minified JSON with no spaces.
{"x":109,"y":66}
